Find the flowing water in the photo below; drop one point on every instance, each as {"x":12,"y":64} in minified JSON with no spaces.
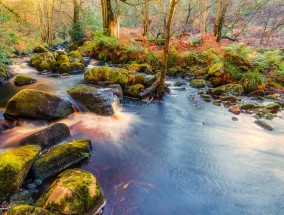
{"x":179,"y":156}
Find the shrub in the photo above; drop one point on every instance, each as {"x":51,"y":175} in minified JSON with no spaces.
{"x":253,"y":81}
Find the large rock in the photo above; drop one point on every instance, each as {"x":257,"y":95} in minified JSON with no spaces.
{"x":24,"y":80}
{"x":76,"y":57}
{"x":93,"y":99}
{"x":230,"y":89}
{"x":134,"y":90}
{"x":61,"y":157}
{"x":27,"y":209}
{"x":75,"y":191}
{"x":273,"y":107}
{"x":107,"y":74}
{"x":14,"y":167}
{"x":197,"y":83}
{"x":35,"y":104}
{"x":256,"y":93}
{"x":48,"y":137}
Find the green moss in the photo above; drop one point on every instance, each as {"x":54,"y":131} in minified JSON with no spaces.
{"x":62,"y":59}
{"x":36,"y":60}
{"x":272,"y":97}
{"x":27,"y":210}
{"x":75,"y":57}
{"x":150,"y":81}
{"x":35,"y":104}
{"x":234,"y":89}
{"x":216,"y":69}
{"x":115,"y":75}
{"x":134,"y":90}
{"x":22,"y":80}
{"x":14,"y":166}
{"x":70,"y":67}
{"x":52,"y":65}
{"x":139,"y":79}
{"x":40,"y":49}
{"x":75,"y":191}
{"x":44,"y":65}
{"x":264,"y":125}
{"x":273,"y":107}
{"x":197,"y":83}
{"x":60,"y":157}
{"x":247,"y":106}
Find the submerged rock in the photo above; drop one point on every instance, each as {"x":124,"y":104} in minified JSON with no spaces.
{"x":75,"y":191}
{"x":235,"y":109}
{"x":28,"y":209}
{"x":197,"y":83}
{"x":61,"y":157}
{"x":48,"y":137}
{"x":263,"y":125}
{"x":233,"y":89}
{"x":24,"y":80}
{"x":14,"y":167}
{"x":273,"y":107}
{"x":93,"y":99}
{"x":256,"y":93}
{"x":35,"y":104}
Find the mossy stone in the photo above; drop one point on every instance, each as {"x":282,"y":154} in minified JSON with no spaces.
{"x":48,"y":137}
{"x":197,"y":83}
{"x":150,"y":81}
{"x":247,"y":106}
{"x":139,"y":79}
{"x":14,"y":167}
{"x":35,"y":104}
{"x":28,"y":210}
{"x":75,"y":191}
{"x":233,"y":89}
{"x":42,"y":66}
{"x":62,"y":59}
{"x":76,"y":57}
{"x":40,"y":49}
{"x":111,"y":74}
{"x":61,"y":157}
{"x":273,"y":107}
{"x":93,"y":99}
{"x":24,"y":80}
{"x":134,"y":90}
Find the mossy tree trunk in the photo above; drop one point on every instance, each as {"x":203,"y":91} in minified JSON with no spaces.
{"x":77,"y":33}
{"x":202,"y":4}
{"x":166,"y":47}
{"x":110,"y":20}
{"x":146,"y":15}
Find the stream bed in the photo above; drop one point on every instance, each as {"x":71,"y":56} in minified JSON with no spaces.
{"x":178,"y":156}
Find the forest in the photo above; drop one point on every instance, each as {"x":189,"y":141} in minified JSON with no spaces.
{"x":141,"y":107}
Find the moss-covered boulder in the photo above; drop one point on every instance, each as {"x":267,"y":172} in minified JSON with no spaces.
{"x":107,"y":74}
{"x":28,"y":210}
{"x":24,"y":80}
{"x":76,"y":57}
{"x":63,"y":58}
{"x":92,"y":99}
{"x":151,"y":80}
{"x":139,"y":79}
{"x":14,"y":167}
{"x":134,"y":90}
{"x":35,"y":104}
{"x":44,"y":61}
{"x":197,"y":83}
{"x":247,"y":106}
{"x":256,"y":93}
{"x":145,"y":68}
{"x":48,"y":137}
{"x":61,"y":157}
{"x":75,"y":191}
{"x":40,"y":49}
{"x":216,"y":70}
{"x":70,"y":68}
{"x":230,"y":89}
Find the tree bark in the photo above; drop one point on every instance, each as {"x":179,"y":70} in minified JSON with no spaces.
{"x":110,"y":21}
{"x":166,"y":48}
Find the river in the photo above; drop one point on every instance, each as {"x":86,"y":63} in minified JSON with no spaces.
{"x":179,"y":156}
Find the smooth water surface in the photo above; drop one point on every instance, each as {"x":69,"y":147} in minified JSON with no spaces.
{"x":179,"y":156}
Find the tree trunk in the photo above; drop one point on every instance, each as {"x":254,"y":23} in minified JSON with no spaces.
{"x":76,"y":11}
{"x":166,"y":48}
{"x":203,"y":17}
{"x":146,"y":16}
{"x":110,"y":21}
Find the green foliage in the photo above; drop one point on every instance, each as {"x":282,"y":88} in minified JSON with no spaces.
{"x":78,"y":32}
{"x":152,"y":60}
{"x":253,"y":81}
{"x":172,"y":60}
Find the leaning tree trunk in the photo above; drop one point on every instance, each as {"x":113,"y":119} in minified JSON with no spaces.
{"x":166,"y":48}
{"x":110,"y":21}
